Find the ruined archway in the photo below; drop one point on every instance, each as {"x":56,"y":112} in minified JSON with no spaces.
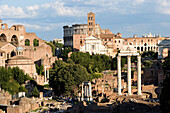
{"x":14,"y":40}
{"x":3,"y":38}
{"x":27,"y":42}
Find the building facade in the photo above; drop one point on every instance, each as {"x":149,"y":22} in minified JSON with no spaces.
{"x":21,"y":48}
{"x":94,"y":45}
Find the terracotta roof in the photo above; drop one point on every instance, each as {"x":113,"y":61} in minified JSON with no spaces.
{"x":19,"y":57}
{"x":107,"y":35}
{"x":2,"y":51}
{"x":3,"y":43}
{"x":140,"y":38}
{"x":118,"y":38}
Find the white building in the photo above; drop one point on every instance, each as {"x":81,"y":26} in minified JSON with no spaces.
{"x":93,"y":45}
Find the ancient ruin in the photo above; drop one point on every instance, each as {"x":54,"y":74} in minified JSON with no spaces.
{"x":128,"y":51}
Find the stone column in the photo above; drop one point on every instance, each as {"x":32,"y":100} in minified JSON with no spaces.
{"x":82,"y":97}
{"x":87,"y":92}
{"x":48,"y":76}
{"x":84,"y":91}
{"x":139,"y":75}
{"x":119,"y":74}
{"x":129,"y":74}
{"x":90,"y":92}
{"x":45,"y":74}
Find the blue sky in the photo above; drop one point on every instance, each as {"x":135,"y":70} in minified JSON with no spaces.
{"x":47,"y":17}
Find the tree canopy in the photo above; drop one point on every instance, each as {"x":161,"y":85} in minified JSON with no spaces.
{"x":35,"y":92}
{"x":164,"y":97}
{"x":12,"y":78}
{"x":66,"y":77}
{"x":93,"y":63}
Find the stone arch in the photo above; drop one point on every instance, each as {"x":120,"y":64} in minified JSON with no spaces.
{"x":14,"y":40}
{"x":14,"y":27}
{"x":165,"y":52}
{"x":3,"y":38}
{"x":27,"y":42}
{"x":35,"y":42}
{"x":149,"y":95}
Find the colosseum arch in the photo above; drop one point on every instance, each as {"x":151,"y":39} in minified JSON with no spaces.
{"x":14,"y":40}
{"x":27,"y":42}
{"x":3,"y":38}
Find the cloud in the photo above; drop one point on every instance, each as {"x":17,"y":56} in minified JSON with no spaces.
{"x":163,"y":7}
{"x":12,"y":12}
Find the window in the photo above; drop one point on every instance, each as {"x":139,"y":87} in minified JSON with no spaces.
{"x":90,"y":23}
{"x":109,"y":39}
{"x":36,"y":42}
{"x":119,"y":41}
{"x":92,"y":46}
{"x":90,"y":18}
{"x":90,"y":29}
{"x":8,"y":55}
{"x":27,"y":42}
{"x":115,"y":41}
{"x":105,"y":39}
{"x":80,"y":36}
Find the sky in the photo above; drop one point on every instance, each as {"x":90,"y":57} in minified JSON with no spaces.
{"x":47,"y":17}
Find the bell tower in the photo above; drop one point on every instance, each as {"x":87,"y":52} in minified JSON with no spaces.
{"x":90,"y":24}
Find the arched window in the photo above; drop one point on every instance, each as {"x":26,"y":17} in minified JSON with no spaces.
{"x":36,"y":42}
{"x":14,"y":40}
{"x":145,"y":44}
{"x":27,"y":42}
{"x":3,"y":38}
{"x":13,"y":54}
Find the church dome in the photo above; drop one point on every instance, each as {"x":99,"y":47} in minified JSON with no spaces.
{"x":19,"y":49}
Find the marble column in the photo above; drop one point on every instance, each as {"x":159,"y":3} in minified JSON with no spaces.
{"x":139,"y":75}
{"x":45,"y":74}
{"x":129,"y":74}
{"x":119,"y":74}
{"x":82,"y":92}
